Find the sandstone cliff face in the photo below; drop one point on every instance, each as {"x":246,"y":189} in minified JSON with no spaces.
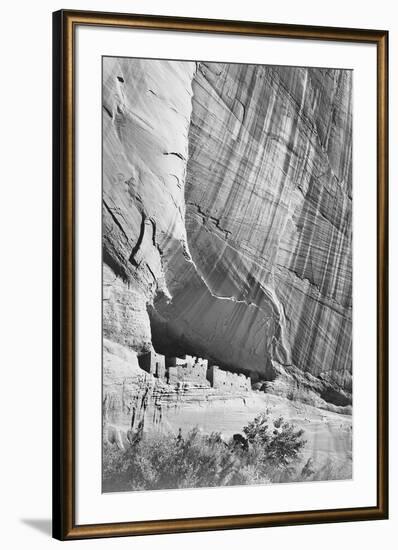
{"x":269,"y":209}
{"x":146,"y":116}
{"x":227,"y":217}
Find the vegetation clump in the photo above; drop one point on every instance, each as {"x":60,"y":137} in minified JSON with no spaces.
{"x":268,"y":452}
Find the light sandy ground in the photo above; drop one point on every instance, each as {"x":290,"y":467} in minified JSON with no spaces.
{"x":328,"y":434}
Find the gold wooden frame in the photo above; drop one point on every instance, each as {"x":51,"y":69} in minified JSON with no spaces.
{"x":64,"y":25}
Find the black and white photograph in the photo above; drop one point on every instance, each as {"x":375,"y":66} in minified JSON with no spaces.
{"x":227,"y":276}
{"x":197,"y":249}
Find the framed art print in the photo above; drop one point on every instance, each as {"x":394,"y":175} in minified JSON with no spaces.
{"x":220,"y":274}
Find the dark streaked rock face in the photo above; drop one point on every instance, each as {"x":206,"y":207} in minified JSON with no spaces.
{"x":227,"y":215}
{"x":268,"y":195}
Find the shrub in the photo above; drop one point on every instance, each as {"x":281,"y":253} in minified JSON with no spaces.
{"x":158,"y":461}
{"x":279,"y":443}
{"x":163,"y":462}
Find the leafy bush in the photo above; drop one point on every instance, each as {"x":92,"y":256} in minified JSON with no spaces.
{"x":158,"y":461}
{"x":278,"y":441}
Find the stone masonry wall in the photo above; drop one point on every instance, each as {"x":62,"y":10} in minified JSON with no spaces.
{"x":188,"y":369}
{"x":153,"y":363}
{"x":193,"y":370}
{"x":228,"y":381}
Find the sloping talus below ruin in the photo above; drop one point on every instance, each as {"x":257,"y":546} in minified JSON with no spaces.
{"x":227,"y":218}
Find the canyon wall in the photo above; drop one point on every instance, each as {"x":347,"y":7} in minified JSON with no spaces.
{"x":146,"y":117}
{"x":227,"y":217}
